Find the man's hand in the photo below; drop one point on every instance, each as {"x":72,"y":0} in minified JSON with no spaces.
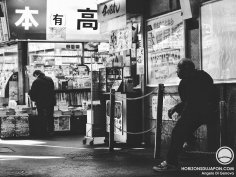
{"x":171,"y":112}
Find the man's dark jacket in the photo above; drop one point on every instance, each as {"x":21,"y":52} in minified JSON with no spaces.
{"x":42,"y":91}
{"x":198,"y":96}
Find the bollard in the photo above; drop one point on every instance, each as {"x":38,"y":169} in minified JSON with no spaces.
{"x":157,"y":150}
{"x":111,"y":133}
{"x":222,"y":123}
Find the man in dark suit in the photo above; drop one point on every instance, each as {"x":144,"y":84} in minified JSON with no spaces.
{"x":198,"y":103}
{"x":42,"y":93}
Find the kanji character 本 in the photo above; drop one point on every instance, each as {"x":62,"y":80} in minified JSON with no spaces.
{"x":27,"y":17}
{"x":87,"y":22}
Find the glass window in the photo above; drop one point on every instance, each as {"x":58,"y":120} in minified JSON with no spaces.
{"x":218,"y":30}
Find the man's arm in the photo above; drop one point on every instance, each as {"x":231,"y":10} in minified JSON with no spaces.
{"x":178,"y":108}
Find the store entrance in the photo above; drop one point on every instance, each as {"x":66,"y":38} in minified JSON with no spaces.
{"x":70,"y":65}
{"x":73,"y":68}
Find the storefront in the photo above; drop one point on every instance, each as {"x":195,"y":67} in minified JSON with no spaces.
{"x":203,"y":31}
{"x":62,"y":41}
{"x":218,"y":58}
{"x":122,"y":20}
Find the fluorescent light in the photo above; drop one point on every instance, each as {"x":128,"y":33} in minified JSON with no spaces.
{"x":15,"y":157}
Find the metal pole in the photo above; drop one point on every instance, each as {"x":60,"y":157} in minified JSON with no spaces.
{"x":157,"y":150}
{"x":111,"y":133}
{"x":222,"y":119}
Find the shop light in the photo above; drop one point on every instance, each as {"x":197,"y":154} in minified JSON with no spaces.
{"x":107,"y":148}
{"x":63,"y":147}
{"x":163,"y":26}
{"x":16,"y":157}
{"x":21,"y":142}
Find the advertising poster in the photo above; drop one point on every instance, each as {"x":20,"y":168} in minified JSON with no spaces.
{"x":49,"y":71}
{"x":168,"y":103}
{"x":118,"y":119}
{"x":13,"y":90}
{"x":165,"y":37}
{"x":120,"y":40}
{"x":62,"y":123}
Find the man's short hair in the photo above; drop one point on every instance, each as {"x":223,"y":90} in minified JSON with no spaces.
{"x":186,"y":63}
{"x":37,"y":72}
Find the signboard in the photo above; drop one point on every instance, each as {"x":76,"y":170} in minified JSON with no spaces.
{"x":103,"y":47}
{"x":111,"y":9}
{"x":3,"y":24}
{"x":113,"y":24}
{"x":219,"y":40}
{"x":165,"y":40}
{"x":118,"y":118}
{"x":54,"y":20}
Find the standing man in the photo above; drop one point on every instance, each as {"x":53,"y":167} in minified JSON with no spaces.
{"x":198,"y":103}
{"x":42,"y":93}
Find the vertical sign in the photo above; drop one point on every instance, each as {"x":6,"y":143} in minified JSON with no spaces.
{"x":140,"y":61}
{"x":111,"y":9}
{"x":118,"y":120}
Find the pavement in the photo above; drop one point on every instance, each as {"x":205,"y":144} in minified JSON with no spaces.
{"x":67,"y":156}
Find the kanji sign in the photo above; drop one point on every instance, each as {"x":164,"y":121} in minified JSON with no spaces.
{"x":53,"y":20}
{"x":27,"y":19}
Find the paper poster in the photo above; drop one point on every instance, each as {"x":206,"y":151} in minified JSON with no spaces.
{"x":165,"y":36}
{"x":120,"y":40}
{"x":140,"y":61}
{"x":116,"y":84}
{"x":126,"y":71}
{"x":168,"y":103}
{"x":49,"y":71}
{"x":13,"y":90}
{"x":133,"y":50}
{"x":154,"y":107}
{"x":62,"y":123}
{"x":118,"y":118}
{"x":127,"y":61}
{"x":58,"y":60}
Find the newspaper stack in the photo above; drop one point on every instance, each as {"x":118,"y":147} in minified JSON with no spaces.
{"x":22,"y":126}
{"x":7,"y":126}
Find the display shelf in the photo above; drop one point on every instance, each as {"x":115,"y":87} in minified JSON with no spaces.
{"x":56,"y":55}
{"x":73,"y":90}
{"x":106,"y":82}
